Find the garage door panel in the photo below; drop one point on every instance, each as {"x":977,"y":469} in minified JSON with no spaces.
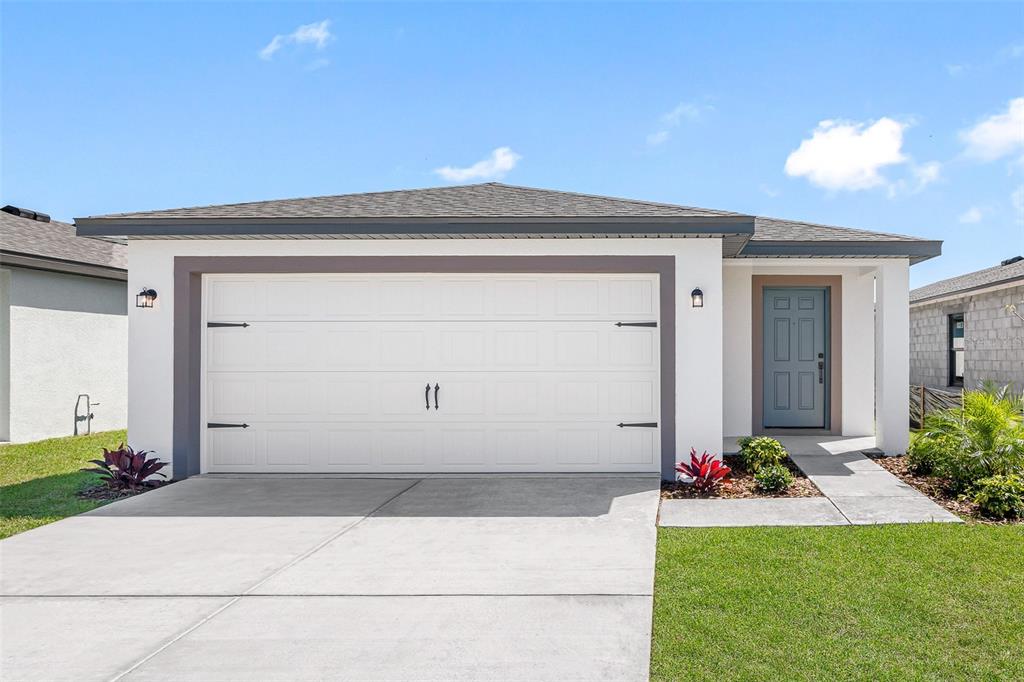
{"x":231,"y":448}
{"x":432,"y":346}
{"x":445,"y":297}
{"x":336,"y":372}
{"x":406,"y":447}
{"x":461,"y":396}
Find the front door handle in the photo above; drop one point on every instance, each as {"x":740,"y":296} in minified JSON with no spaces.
{"x":821,"y":372}
{"x":426,"y":394}
{"x":437,"y":388}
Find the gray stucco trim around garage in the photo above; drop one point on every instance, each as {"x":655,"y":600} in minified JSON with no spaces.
{"x":916,"y":250}
{"x":188,"y":303}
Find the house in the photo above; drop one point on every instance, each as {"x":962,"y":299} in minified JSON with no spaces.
{"x":499,"y":328}
{"x":969,"y":329}
{"x":64,"y":329}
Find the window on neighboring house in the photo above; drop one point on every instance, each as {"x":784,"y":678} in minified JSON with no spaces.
{"x":956,"y":349}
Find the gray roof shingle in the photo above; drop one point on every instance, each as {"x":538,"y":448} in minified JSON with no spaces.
{"x":970,"y":281}
{"x":777,"y":230}
{"x":506,"y":210}
{"x":487,"y":200}
{"x":57,"y":241}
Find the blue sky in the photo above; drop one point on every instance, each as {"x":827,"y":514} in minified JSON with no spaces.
{"x":902,"y":118}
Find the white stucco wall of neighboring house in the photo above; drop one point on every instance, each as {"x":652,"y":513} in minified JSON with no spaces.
{"x":858,"y":348}
{"x":66,"y":335}
{"x":698,"y":338}
{"x":5,"y":355}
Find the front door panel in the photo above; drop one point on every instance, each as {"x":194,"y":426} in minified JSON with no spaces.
{"x":795,"y":357}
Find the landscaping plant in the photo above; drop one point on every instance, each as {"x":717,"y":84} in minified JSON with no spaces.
{"x":964,"y":445}
{"x":705,"y":473}
{"x":761,"y":451}
{"x":1000,"y":496}
{"x":773,"y":478}
{"x":126,"y":469}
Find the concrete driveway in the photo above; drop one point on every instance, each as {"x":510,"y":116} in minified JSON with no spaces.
{"x":284,"y":578}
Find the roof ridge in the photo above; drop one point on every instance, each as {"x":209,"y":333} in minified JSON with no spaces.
{"x":643,"y":202}
{"x":289,"y":199}
{"x":433,"y":188}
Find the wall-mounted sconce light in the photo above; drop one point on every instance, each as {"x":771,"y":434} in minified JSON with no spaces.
{"x":145,"y":298}
{"x":697,"y":298}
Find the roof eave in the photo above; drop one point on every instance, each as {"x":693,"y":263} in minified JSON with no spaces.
{"x":37,"y":262}
{"x":916,"y":250}
{"x":181,"y":227}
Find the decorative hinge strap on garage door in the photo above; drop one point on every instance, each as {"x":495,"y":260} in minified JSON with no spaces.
{"x":636,"y":324}
{"x":222,"y":425}
{"x":649,"y":425}
{"x":227,"y":324}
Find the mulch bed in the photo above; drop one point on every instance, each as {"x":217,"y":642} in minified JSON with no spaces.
{"x":937,"y":490}
{"x":102,"y":492}
{"x":740,"y":484}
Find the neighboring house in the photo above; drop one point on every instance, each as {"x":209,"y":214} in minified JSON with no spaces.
{"x":63,"y":327}
{"x":499,"y":328}
{"x":969,"y":329}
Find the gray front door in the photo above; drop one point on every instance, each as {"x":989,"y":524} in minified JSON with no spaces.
{"x":795,"y":357}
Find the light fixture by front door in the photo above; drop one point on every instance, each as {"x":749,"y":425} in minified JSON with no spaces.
{"x":697,"y":298}
{"x":145,"y":298}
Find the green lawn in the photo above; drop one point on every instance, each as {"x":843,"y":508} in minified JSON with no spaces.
{"x":914,"y":602}
{"x":38,"y":481}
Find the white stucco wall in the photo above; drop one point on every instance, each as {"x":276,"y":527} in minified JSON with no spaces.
{"x":68,"y":335}
{"x":858,"y":350}
{"x":698,"y":338}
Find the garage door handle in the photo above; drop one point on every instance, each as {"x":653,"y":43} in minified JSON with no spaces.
{"x":220,"y":425}
{"x":649,"y":425}
{"x":636,"y":324}
{"x":437,"y":405}
{"x":426,"y":394}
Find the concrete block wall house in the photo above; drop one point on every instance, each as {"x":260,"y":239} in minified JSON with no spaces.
{"x":499,"y":328}
{"x":63,"y":329}
{"x":962,"y":331}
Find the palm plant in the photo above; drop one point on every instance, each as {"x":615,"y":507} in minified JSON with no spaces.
{"x":984,"y":437}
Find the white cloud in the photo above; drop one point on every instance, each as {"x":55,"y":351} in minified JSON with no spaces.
{"x":690,"y":112}
{"x":1017,"y":200}
{"x":955,"y":70}
{"x":843,"y":155}
{"x":998,"y":135}
{"x":769,"y":191}
{"x":971,"y":215}
{"x":500,"y":162}
{"x":659,"y":137}
{"x":926,"y":174}
{"x":671,"y":119}
{"x":317,"y":34}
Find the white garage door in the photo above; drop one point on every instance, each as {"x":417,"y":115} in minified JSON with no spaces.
{"x":431,"y":373}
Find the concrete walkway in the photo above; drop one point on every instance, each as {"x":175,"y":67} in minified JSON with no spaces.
{"x":857,"y":492}
{"x":282,"y":578}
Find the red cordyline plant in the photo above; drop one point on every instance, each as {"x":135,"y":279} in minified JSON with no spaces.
{"x":706,"y":473}
{"x":126,"y":469}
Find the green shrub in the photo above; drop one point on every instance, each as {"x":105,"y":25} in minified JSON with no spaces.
{"x":762,"y":451}
{"x":930,"y":454}
{"x":982,"y":439}
{"x":1000,"y":496}
{"x":773,"y":478}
